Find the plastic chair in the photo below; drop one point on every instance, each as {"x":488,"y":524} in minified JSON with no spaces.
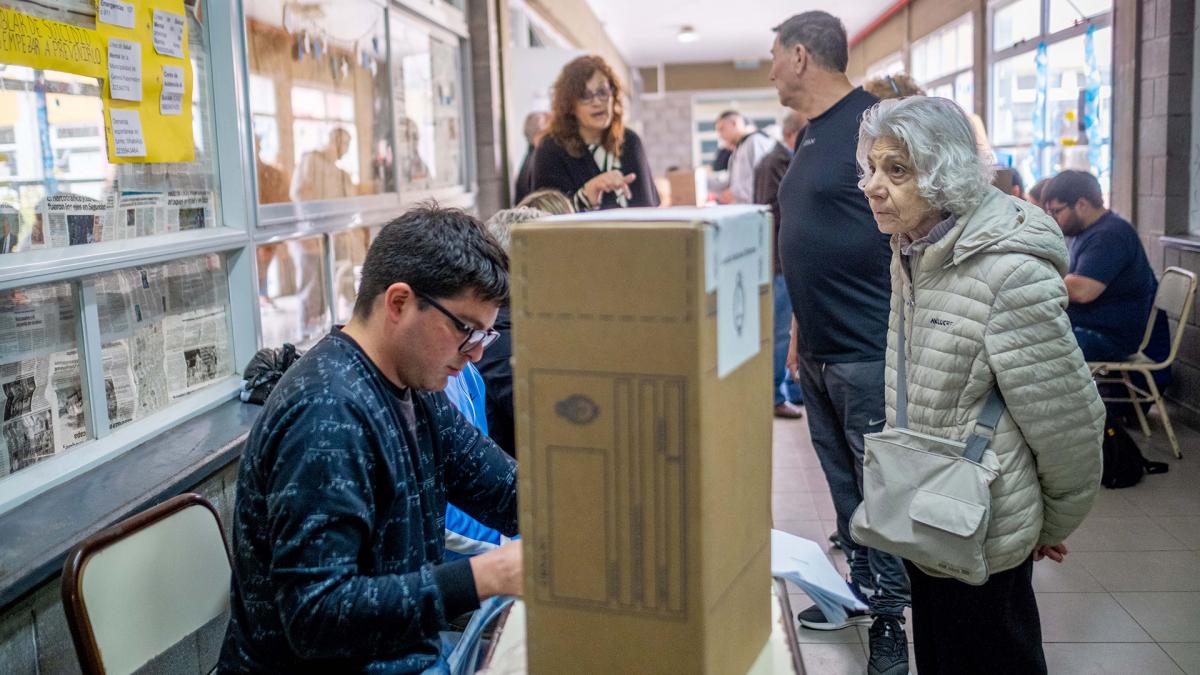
{"x":1176,"y":292}
{"x":140,"y":587}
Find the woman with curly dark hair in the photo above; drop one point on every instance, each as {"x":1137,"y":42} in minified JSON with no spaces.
{"x":587,"y":153}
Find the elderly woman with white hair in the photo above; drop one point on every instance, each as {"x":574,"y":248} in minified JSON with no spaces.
{"x":978,"y":329}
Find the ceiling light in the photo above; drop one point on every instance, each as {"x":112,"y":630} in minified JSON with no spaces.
{"x":687,"y":34}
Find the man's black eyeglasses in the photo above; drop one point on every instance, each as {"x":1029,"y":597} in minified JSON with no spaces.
{"x":602,"y":94}
{"x":1057,"y":210}
{"x":475,"y":336}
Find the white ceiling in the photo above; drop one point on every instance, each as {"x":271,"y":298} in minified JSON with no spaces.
{"x":644,"y":30}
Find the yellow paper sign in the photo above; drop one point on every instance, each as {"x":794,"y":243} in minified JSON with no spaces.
{"x":50,"y":45}
{"x":157,"y":128}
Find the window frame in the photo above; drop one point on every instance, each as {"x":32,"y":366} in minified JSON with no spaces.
{"x":80,"y":266}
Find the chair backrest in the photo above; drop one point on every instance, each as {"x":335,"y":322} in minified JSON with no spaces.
{"x":1176,"y":293}
{"x":133,"y":590}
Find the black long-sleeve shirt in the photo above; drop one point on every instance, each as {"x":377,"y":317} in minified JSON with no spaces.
{"x":338,"y":529}
{"x":554,"y":167}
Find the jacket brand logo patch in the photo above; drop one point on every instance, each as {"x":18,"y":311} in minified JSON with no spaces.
{"x":577,"y":409}
{"x":807,"y":142}
{"x":941,"y":322}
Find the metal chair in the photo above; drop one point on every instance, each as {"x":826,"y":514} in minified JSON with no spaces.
{"x":135,"y":590}
{"x":1176,"y":293}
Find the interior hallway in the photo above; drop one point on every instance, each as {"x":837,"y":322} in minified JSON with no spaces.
{"x":1126,"y":600}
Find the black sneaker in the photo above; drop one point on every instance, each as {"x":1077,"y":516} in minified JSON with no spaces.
{"x":889,"y":648}
{"x":814,"y":619}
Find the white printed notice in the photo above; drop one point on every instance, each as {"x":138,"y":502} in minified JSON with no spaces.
{"x":124,"y":69}
{"x":116,"y":13}
{"x":127,"y":133}
{"x":738,"y":257}
{"x":168,"y":33}
{"x":170,"y":102}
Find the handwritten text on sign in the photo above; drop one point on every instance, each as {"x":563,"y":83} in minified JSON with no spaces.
{"x":40,"y":43}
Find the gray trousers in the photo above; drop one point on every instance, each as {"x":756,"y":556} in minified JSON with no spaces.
{"x":845,"y":401}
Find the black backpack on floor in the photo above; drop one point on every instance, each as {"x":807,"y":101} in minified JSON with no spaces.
{"x":1123,"y":460}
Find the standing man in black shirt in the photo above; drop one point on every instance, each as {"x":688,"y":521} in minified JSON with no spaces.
{"x":836,"y":265}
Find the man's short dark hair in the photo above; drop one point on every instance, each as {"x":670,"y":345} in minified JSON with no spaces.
{"x":822,"y":34}
{"x":1070,"y":186}
{"x":439,"y":252}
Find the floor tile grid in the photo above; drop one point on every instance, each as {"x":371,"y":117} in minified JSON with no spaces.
{"x":1126,"y":599}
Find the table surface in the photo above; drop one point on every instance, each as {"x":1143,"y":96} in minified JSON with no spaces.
{"x":780,"y":656}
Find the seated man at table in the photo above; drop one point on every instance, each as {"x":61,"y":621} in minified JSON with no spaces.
{"x":1110,"y":284}
{"x":338,"y":528}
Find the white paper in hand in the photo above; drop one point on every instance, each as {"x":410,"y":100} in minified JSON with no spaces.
{"x":802,"y":562}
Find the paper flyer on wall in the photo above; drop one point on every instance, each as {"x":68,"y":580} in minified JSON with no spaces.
{"x":153,"y":124}
{"x":50,"y":45}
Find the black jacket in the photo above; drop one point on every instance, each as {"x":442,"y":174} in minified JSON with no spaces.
{"x":554,"y":167}
{"x":524,"y":182}
{"x":496,"y":368}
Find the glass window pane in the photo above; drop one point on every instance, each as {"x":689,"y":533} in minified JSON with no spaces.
{"x":944,"y":51}
{"x":1016,"y":22}
{"x":44,"y":411}
{"x":426,"y":81}
{"x":57,"y":187}
{"x":319,"y":99}
{"x":965,"y":34}
{"x":165,"y":334}
{"x":964,"y":91}
{"x":1014,"y":82}
{"x":1066,"y":13}
{"x":292,"y":291}
{"x":1068,"y":80}
{"x":349,"y":254}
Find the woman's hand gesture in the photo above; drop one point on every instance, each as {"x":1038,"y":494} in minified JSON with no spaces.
{"x":609,"y":181}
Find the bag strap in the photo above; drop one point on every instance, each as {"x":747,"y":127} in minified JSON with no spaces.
{"x":901,"y":373}
{"x":985,"y":425}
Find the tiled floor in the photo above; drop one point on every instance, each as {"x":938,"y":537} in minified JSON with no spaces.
{"x":1126,"y":600}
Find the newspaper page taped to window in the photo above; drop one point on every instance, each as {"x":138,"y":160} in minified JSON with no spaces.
{"x":43,"y":406}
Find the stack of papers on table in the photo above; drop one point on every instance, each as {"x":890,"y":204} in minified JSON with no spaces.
{"x":802,"y":562}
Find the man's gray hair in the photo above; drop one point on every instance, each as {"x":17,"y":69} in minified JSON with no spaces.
{"x":793,"y":122}
{"x":501,"y":223}
{"x":951,"y":175}
{"x":822,"y":34}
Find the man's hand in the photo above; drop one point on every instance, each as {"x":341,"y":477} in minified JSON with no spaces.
{"x":498,"y":572}
{"x":609,"y":181}
{"x":1055,"y":553}
{"x":793,"y":355}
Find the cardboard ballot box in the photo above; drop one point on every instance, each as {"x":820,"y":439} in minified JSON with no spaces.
{"x":689,"y":187}
{"x":642,"y":365}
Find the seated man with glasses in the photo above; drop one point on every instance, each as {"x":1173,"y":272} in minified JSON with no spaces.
{"x":1110,"y":285}
{"x":338,"y":528}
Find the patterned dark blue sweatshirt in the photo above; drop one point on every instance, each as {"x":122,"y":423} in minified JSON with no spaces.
{"x":338,"y":528}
